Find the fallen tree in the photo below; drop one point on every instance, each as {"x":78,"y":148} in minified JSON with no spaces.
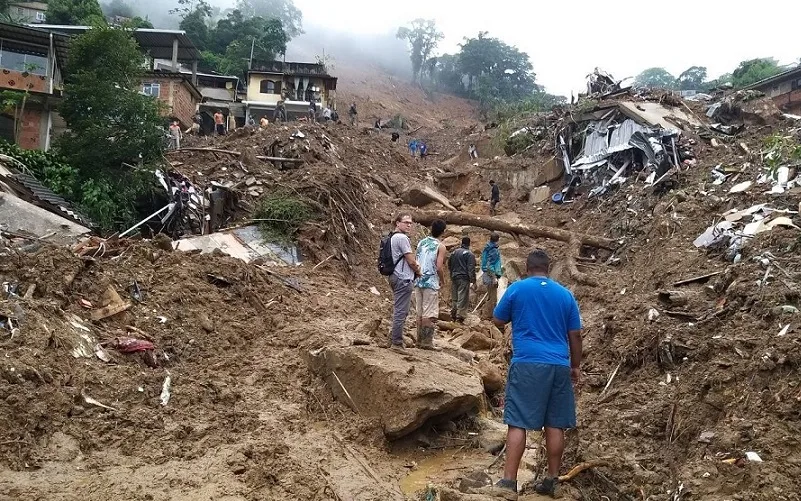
{"x":493,"y":224}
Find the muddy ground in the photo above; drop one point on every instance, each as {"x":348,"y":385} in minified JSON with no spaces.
{"x":695,"y":387}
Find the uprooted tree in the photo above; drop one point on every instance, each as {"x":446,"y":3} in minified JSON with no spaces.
{"x":574,"y":240}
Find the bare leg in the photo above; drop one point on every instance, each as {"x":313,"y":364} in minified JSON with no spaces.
{"x":515,"y":446}
{"x":555,"y":447}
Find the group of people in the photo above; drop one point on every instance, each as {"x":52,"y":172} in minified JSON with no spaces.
{"x":418,"y":148}
{"x":418,"y":275}
{"x":545,"y":332}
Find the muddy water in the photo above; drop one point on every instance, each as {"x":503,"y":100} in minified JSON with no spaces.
{"x":440,"y":467}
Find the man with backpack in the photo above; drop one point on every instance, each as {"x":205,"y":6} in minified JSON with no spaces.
{"x":396,"y":260}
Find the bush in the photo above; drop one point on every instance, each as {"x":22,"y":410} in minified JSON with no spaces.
{"x":281,"y":214}
{"x":49,"y":168}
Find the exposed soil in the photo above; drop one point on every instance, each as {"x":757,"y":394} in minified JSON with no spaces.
{"x":707,"y":380}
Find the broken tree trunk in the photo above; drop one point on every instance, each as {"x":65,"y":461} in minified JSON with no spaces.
{"x":236,"y":154}
{"x":492,"y":224}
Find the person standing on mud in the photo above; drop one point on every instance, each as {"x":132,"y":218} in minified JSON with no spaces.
{"x":219,"y":123}
{"x":462,"y":265}
{"x":431,"y":257}
{"x":175,"y":135}
{"x":353,"y":114}
{"x":545,"y":367}
{"x":495,"y":197}
{"x":402,"y":278}
{"x":493,"y":269}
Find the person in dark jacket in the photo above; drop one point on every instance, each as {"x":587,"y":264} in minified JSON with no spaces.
{"x":462,"y":265}
{"x":495,"y":197}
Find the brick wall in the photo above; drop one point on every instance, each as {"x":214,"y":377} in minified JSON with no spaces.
{"x":789,"y":102}
{"x":179,"y":101}
{"x":30,"y":135}
{"x":10,"y":79}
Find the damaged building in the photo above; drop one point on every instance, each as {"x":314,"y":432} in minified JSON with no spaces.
{"x":295,"y":84}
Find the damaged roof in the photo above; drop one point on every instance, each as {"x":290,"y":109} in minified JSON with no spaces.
{"x":29,"y":189}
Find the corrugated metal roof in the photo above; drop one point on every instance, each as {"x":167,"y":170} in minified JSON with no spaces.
{"x":156,"y":42}
{"x":31,"y":190}
{"x":37,"y":36}
{"x":603,"y":140}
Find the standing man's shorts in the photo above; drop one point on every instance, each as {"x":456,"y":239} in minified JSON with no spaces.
{"x":539,"y":395}
{"x":426,"y":302}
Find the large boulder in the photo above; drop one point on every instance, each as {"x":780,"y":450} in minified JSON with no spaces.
{"x":402,"y":391}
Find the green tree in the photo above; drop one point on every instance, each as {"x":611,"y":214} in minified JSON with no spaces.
{"x":284,"y":10}
{"x":75,"y":12}
{"x":447,"y":75}
{"x":137,"y":22}
{"x":496,"y":72}
{"x":754,"y":70}
{"x":692,"y":78}
{"x":112,"y":126}
{"x":655,"y":78}
{"x":195,"y":26}
{"x":422,"y":37}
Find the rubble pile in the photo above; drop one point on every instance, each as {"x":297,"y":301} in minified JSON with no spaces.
{"x":210,"y":369}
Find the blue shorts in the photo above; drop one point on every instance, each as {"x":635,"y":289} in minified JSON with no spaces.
{"x":539,"y":395}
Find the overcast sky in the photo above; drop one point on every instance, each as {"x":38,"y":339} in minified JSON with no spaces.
{"x":567,"y":39}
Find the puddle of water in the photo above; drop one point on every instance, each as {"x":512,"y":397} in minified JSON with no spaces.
{"x":441,"y":467}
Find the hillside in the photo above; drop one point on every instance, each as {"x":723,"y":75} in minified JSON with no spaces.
{"x":267,"y":380}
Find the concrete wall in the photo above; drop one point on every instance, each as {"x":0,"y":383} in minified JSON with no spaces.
{"x":254,"y":88}
{"x":10,"y":79}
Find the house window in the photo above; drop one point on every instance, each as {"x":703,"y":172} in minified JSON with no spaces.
{"x":23,"y":58}
{"x":151,"y":89}
{"x":40,"y":16}
{"x":267,"y":87}
{"x":795,"y":84}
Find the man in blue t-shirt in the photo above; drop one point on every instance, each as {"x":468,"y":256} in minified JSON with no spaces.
{"x":546,"y":346}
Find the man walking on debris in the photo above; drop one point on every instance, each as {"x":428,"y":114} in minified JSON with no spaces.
{"x":431,"y":257}
{"x":495,"y":197}
{"x":462,"y":265}
{"x":402,"y":278}
{"x":219,"y":123}
{"x":312,"y":111}
{"x":491,"y":266}
{"x":472,"y":151}
{"x":545,"y":367}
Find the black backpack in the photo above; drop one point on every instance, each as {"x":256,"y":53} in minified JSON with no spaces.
{"x":386,"y":265}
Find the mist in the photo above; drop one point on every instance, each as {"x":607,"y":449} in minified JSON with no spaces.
{"x":346,"y":50}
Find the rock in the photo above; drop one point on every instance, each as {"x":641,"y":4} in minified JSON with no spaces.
{"x":205,"y":323}
{"x":381,"y":387}
{"x":474,"y":480}
{"x":539,"y":195}
{"x":475,"y":341}
{"x":420,"y":196}
{"x":460,"y":353}
{"x":492,"y":436}
{"x":706,"y":437}
{"x":451,"y":243}
{"x":491,"y":376}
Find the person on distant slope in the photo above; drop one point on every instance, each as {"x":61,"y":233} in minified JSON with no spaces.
{"x":495,"y":197}
{"x":431,"y":257}
{"x":402,"y":278}
{"x":492,"y":268}
{"x":413,"y":147}
{"x":312,"y":111}
{"x":545,"y":368}
{"x":219,"y":123}
{"x":472,"y":151}
{"x":353,"y":114}
{"x":462,"y":265}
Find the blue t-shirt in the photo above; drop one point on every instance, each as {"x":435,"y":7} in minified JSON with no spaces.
{"x":542,"y":311}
